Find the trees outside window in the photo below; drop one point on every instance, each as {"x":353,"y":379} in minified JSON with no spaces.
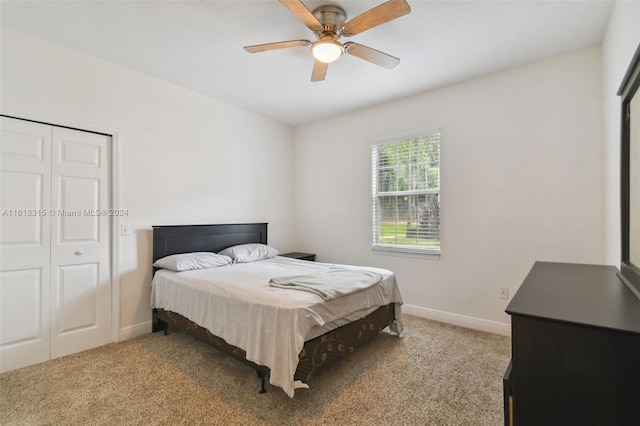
{"x":406,"y":195}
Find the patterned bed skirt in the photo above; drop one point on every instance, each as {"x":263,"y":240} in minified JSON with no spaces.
{"x":316,"y":355}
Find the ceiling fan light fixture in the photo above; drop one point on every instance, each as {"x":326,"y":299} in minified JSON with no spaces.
{"x":327,"y":50}
{"x":329,"y":23}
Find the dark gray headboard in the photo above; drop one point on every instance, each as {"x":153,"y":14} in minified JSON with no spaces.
{"x":177,"y":239}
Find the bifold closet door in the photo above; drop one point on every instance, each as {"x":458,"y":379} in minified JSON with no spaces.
{"x":80,"y":242}
{"x":55,"y":288}
{"x":25,"y":243}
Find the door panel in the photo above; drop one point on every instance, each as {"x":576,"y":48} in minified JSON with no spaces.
{"x":25,"y":188}
{"x":24,"y":286}
{"x":81,"y":286}
{"x":16,"y":144}
{"x":24,"y":333}
{"x":22,"y":210}
{"x":78,"y":286}
{"x":81,"y":153}
{"x":78,"y":220}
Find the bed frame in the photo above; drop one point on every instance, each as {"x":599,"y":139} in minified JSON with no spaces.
{"x":316,"y":355}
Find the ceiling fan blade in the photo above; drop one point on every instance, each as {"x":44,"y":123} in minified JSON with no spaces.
{"x":371,"y":55}
{"x":302,"y":13}
{"x":319,"y":70}
{"x":378,"y":15}
{"x":278,"y":45}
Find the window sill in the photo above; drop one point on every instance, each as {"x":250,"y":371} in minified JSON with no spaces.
{"x":406,"y":251}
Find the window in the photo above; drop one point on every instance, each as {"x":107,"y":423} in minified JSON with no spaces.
{"x":406,"y":195}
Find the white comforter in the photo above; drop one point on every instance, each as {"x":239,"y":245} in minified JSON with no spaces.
{"x":236,"y":303}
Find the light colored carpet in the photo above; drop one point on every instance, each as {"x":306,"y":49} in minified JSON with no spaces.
{"x":437,"y":374}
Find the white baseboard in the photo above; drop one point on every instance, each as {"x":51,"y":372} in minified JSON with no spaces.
{"x":135,"y":330}
{"x":457,"y":319}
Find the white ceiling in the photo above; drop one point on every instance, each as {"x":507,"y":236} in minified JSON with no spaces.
{"x":198,"y":45}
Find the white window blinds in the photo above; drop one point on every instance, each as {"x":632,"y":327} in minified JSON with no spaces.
{"x":406,"y":195}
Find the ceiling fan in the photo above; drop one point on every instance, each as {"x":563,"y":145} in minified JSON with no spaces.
{"x":328,"y":25}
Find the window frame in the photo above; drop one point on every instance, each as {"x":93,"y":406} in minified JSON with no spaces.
{"x":375,"y":196}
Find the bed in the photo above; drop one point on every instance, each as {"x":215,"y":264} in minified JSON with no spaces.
{"x":286,"y":335}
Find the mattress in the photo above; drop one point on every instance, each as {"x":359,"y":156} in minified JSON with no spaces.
{"x":236,"y":303}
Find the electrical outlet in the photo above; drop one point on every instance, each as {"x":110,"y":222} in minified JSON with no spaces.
{"x":124,"y":230}
{"x":504,"y":293}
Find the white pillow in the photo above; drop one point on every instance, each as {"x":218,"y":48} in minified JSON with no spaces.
{"x":189,"y":261}
{"x":245,"y":253}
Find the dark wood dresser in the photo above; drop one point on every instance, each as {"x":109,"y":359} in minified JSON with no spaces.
{"x":575,"y":337}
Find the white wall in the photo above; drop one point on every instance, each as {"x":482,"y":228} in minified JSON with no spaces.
{"x":522,"y":155}
{"x":618,"y":46}
{"x":183,"y":158}
{"x":522,"y":180}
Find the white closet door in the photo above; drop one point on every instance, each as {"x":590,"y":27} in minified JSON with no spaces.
{"x":55,"y":282}
{"x":80,"y":277}
{"x":25,"y":187}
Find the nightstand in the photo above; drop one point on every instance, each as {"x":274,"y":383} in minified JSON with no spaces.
{"x":302,"y":256}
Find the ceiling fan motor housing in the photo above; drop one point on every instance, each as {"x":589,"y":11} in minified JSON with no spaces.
{"x":332,"y":18}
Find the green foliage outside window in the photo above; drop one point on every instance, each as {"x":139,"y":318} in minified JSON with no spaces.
{"x":406,"y":194}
